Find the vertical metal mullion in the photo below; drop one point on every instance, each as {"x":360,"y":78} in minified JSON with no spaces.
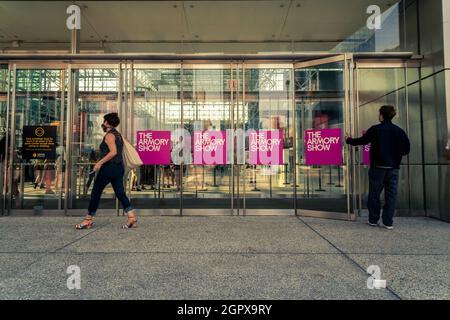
{"x":358,"y":130}
{"x":232,"y":140}
{"x":348,"y":127}
{"x":13,"y":139}
{"x":405,"y":67}
{"x":4,"y":160}
{"x":244,"y":174}
{"x":238,"y":179}
{"x":127,"y":119}
{"x":61,"y":132}
{"x":125,"y":100}
{"x":302,"y":135}
{"x":120,"y":112}
{"x":69,"y":135}
{"x":9,"y":138}
{"x":294,"y":137}
{"x":182,"y":126}
{"x":235,"y":126}
{"x":131,"y":115}
{"x":131,"y":119}
{"x":354,"y":125}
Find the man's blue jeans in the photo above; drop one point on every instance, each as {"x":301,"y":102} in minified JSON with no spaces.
{"x":380,"y":179}
{"x":109,"y":173}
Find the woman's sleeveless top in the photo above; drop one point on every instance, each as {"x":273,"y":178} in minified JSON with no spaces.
{"x":104,"y":150}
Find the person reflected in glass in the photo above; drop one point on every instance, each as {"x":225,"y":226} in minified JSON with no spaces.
{"x":59,"y":167}
{"x":49,"y":176}
{"x":151,"y":176}
{"x":91,"y":173}
{"x":109,"y":169}
{"x":39,"y":174}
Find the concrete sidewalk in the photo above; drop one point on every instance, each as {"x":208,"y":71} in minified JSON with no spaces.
{"x":223,"y":258}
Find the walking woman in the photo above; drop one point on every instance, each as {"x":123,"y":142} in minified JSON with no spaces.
{"x":110,"y":169}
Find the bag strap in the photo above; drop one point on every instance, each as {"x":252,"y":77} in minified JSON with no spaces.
{"x":117,"y":134}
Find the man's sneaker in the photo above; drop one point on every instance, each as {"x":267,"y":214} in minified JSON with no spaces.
{"x":386,"y":227}
{"x":372,"y":224}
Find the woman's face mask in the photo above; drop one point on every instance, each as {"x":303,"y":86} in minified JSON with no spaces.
{"x":104,"y":127}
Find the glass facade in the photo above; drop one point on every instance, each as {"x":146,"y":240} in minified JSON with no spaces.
{"x":236,"y":99}
{"x":321,"y":69}
{"x":382,"y":86}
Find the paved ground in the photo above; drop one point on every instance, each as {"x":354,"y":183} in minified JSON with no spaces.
{"x":223,"y":258}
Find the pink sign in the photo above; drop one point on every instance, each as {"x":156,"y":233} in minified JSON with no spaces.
{"x":154,"y":147}
{"x":324,"y":147}
{"x":366,"y":153}
{"x":210,"y":147}
{"x":266,"y":147}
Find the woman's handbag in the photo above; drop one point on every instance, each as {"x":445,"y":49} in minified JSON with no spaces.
{"x":130,"y":156}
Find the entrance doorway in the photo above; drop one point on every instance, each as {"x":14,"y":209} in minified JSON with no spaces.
{"x":259,"y":115}
{"x":240,"y":100}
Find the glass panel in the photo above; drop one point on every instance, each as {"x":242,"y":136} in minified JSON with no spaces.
{"x":157,"y":107}
{"x":97,"y":95}
{"x":386,"y":86}
{"x":3,"y":130}
{"x":320,"y":101}
{"x":268,"y":107}
{"x":436,"y":134}
{"x":387,"y":36}
{"x":438,"y":189}
{"x":207,"y":108}
{"x":3,"y":104}
{"x":38,"y":178}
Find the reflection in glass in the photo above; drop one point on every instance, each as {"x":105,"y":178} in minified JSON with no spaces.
{"x":97,"y":95}
{"x":320,"y":105}
{"x":268,"y":106}
{"x":4,"y":81}
{"x":37,"y":184}
{"x":378,"y":87}
{"x":207,"y":105}
{"x":157,"y":106}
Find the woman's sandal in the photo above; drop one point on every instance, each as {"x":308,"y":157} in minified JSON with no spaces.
{"x":130,"y":224}
{"x":86,"y":224}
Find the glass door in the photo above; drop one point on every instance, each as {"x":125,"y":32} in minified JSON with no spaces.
{"x":323,"y":117}
{"x":267,"y":177}
{"x":4,"y":144}
{"x":36,"y":138}
{"x":208,"y":112}
{"x":97,"y":90}
{"x":154,"y":111}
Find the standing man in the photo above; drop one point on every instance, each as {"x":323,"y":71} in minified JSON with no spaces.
{"x":389,"y":143}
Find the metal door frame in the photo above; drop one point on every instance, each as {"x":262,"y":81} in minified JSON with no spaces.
{"x":267,"y":64}
{"x":349,"y":124}
{"x":73,"y":89}
{"x":128,"y":113}
{"x":14,"y":66}
{"x":233,"y":66}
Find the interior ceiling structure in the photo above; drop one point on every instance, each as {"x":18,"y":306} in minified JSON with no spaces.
{"x":118,"y":25}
